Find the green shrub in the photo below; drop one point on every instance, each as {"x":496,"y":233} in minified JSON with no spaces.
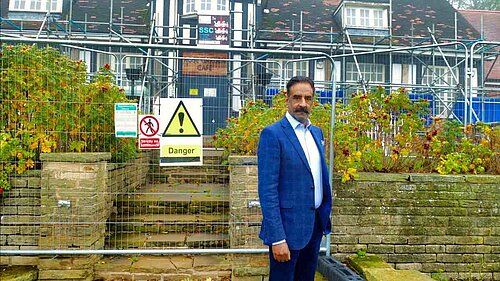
{"x":241,"y":135}
{"x":378,"y":132}
{"x":47,"y":105}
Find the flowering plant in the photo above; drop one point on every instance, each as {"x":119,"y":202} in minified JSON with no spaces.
{"x":47,"y":105}
{"x":378,"y":132}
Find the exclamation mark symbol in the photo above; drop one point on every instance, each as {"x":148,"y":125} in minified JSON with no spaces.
{"x":181,"y":120}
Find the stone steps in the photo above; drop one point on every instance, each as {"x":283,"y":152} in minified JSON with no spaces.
{"x":171,"y":223}
{"x":182,"y":207}
{"x":212,"y":170}
{"x":188,"y":175}
{"x":168,"y":240}
{"x":175,"y":199}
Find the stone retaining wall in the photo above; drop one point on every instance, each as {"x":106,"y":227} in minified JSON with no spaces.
{"x":65,"y":206}
{"x":19,"y":214}
{"x":424,"y":222}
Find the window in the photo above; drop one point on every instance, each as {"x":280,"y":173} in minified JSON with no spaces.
{"x":292,"y":69}
{"x":378,"y":18}
{"x":213,"y":7}
{"x":18,"y":5}
{"x":189,"y":6}
{"x":351,"y":17}
{"x":103,"y":59}
{"x":300,"y":68}
{"x":221,"y":5}
{"x":440,"y":78}
{"x":206,"y":5}
{"x":36,"y":5}
{"x":54,"y":6}
{"x":371,"y":72}
{"x":365,"y":17}
{"x":133,"y":62}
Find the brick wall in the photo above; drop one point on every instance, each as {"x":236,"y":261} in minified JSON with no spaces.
{"x":424,"y":222}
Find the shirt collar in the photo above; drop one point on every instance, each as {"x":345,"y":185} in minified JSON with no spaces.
{"x":294,"y":121}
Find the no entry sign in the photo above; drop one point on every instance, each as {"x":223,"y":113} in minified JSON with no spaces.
{"x":149,"y":125}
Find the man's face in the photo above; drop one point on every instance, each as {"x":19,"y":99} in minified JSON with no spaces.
{"x":299,"y":101}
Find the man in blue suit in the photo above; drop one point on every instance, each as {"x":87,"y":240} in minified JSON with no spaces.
{"x":294,"y":187}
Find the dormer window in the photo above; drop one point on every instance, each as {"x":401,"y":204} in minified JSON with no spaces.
{"x":207,"y":7}
{"x":54,"y":6}
{"x":363,"y":17}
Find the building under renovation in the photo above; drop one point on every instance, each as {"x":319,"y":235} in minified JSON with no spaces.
{"x":207,"y":48}
{"x":99,"y":215}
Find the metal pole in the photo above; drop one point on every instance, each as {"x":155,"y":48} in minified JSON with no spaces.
{"x":136,"y":252}
{"x":464,"y":91}
{"x":332,"y":127}
{"x":471,"y":65}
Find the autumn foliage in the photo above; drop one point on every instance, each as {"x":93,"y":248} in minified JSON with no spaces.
{"x":48,"y":103}
{"x":379,"y":132}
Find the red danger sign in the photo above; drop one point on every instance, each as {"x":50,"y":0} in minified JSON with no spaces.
{"x":149,"y":126}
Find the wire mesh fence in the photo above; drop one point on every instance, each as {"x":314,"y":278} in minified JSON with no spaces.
{"x":117,"y":198}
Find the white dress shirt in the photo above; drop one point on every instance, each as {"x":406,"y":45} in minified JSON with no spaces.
{"x":311,"y":151}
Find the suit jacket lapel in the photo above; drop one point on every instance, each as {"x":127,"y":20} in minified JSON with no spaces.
{"x":290,"y":133}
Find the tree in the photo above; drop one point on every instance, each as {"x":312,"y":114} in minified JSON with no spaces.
{"x":476,"y":4}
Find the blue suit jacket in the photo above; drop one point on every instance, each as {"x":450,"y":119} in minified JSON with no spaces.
{"x":286,"y":187}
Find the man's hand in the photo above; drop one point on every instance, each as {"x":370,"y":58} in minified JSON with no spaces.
{"x":281,"y":253}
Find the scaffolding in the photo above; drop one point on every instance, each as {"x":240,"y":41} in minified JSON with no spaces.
{"x":444,"y":74}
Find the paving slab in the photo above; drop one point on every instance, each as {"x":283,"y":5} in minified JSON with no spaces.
{"x":206,"y":237}
{"x":389,"y":274}
{"x":361,"y":263}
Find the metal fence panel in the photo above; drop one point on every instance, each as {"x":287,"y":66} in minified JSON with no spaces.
{"x":140,"y":205}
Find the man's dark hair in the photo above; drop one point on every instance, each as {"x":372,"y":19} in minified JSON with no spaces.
{"x":299,"y":79}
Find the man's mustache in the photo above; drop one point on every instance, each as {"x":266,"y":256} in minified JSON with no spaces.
{"x":302,"y":109}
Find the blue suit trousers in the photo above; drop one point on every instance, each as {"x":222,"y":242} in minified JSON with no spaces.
{"x":303,"y":262}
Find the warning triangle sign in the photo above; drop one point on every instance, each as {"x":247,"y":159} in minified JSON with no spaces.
{"x":181,"y":124}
